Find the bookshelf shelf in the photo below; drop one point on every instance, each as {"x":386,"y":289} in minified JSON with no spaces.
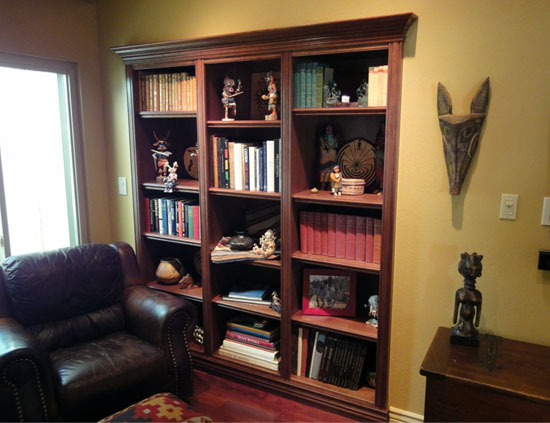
{"x":359,"y":266}
{"x":272,"y":196}
{"x":174,"y":114}
{"x":194,"y":294}
{"x":172,"y":238}
{"x":356,"y":328}
{"x":259,"y":309}
{"x":183,"y":185}
{"x":288,"y":148}
{"x":244,"y":124}
{"x":371,"y":201}
{"x":338,"y":111}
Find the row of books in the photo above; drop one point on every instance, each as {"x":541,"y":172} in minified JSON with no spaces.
{"x":173,"y":216}
{"x":166,"y":92}
{"x":250,"y":166}
{"x":330,"y":358}
{"x":252,"y":340}
{"x":342,"y":236}
{"x":309,"y":80}
{"x":378,"y":86}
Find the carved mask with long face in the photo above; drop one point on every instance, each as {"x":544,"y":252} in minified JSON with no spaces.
{"x":460,"y":133}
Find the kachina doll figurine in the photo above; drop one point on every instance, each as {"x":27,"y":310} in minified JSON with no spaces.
{"x":336,"y":181}
{"x":161,"y":155}
{"x":228,"y":96}
{"x":328,"y":146}
{"x":172,"y":178}
{"x":467,"y":302}
{"x":272,"y":97}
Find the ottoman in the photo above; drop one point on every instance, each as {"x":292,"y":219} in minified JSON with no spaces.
{"x":164,"y":407}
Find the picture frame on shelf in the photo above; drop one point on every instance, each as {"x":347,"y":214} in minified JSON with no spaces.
{"x":329,"y":292}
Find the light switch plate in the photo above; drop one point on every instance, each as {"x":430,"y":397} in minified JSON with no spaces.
{"x":122,"y":186}
{"x":545,"y":221}
{"x":509,"y":206}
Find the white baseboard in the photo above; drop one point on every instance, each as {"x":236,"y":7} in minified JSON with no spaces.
{"x":401,"y":416}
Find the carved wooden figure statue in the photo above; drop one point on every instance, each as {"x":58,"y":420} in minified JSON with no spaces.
{"x":460,"y":132}
{"x":468,"y":299}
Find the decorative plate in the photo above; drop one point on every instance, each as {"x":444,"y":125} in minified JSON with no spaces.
{"x":191,"y":161}
{"x":357,"y":160}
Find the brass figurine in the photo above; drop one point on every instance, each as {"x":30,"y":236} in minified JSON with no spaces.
{"x":460,"y":133}
{"x":468,"y":300}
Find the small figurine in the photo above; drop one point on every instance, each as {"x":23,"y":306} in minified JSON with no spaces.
{"x":328,"y":154}
{"x":336,"y":181}
{"x":272,"y":96}
{"x":171,"y":179}
{"x":198,"y":335}
{"x":161,"y":155}
{"x":228,"y":96}
{"x":275,"y":302}
{"x":332,"y":93}
{"x":362,"y":94}
{"x":373,"y":311}
{"x":268,"y":244}
{"x":468,"y":299}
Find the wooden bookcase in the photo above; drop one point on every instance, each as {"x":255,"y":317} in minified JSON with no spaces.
{"x":350,"y":47}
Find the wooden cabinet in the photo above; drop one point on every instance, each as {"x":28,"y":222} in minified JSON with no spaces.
{"x":501,"y":380}
{"x":349,"y":48}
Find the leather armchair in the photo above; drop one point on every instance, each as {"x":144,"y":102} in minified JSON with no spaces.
{"x":82,"y":337}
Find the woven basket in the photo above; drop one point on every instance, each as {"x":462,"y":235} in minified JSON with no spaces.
{"x":353,"y":186}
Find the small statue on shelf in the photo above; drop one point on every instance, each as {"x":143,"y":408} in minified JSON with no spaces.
{"x":267,"y":246}
{"x":332,"y":94}
{"x":275,"y":302}
{"x":468,"y":300}
{"x":362,"y":94}
{"x":228,"y":96}
{"x":171,"y":179}
{"x":373,"y":311}
{"x":198,"y":335}
{"x":272,"y":97}
{"x":336,"y":181}
{"x":161,"y":155}
{"x":328,"y":154}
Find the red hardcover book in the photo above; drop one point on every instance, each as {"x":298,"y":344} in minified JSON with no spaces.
{"x":377,"y":241}
{"x":331,"y":235}
{"x":361,"y":238}
{"x":196,"y":222}
{"x":369,"y":254}
{"x":303,"y":231}
{"x":340,"y":236}
{"x":324,"y":234}
{"x":249,"y":339}
{"x":316,"y":232}
{"x":351,"y":229}
{"x":180,"y":219}
{"x":309,"y":229}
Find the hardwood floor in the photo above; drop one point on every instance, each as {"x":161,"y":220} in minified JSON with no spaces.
{"x":226,"y":401}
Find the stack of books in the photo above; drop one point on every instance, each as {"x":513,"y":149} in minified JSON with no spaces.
{"x":330,"y":358}
{"x":309,"y":81}
{"x":166,"y":92}
{"x":252,"y":340}
{"x":173,"y":216}
{"x":246,"y":292}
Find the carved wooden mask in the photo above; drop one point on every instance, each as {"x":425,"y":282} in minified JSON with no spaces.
{"x":460,"y":133}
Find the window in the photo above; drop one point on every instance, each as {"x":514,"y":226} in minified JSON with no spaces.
{"x":42,"y":189}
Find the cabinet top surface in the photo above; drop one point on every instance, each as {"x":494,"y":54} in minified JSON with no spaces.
{"x":515,"y":367}
{"x":356,"y":32}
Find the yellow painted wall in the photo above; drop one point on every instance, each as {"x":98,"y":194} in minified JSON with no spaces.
{"x":67,"y":30}
{"x":459,"y":44}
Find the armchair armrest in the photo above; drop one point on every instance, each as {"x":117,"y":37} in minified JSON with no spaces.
{"x":165,"y":321}
{"x":26,"y":387}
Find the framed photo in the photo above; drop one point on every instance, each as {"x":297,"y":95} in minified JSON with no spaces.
{"x":329,"y":292}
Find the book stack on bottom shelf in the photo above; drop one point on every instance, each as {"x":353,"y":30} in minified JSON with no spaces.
{"x":333,"y":359}
{"x":252,"y":340}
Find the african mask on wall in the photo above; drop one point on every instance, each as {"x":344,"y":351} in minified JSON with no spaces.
{"x":460,"y":133}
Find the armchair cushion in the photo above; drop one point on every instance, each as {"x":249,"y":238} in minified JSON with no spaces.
{"x":118,"y":362}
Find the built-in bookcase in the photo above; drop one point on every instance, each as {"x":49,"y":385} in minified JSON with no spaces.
{"x":344,"y":52}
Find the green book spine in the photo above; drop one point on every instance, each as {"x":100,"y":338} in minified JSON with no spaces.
{"x":189,"y":223}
